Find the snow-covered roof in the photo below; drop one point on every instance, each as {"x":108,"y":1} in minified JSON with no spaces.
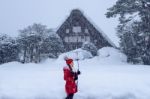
{"x":89,"y":19}
{"x":103,"y":34}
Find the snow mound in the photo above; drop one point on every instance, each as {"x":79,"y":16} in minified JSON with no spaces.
{"x":76,"y":54}
{"x":112,"y":54}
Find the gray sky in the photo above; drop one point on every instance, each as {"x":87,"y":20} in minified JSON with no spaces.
{"x":18,"y":14}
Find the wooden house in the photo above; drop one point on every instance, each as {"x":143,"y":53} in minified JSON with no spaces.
{"x":78,"y":29}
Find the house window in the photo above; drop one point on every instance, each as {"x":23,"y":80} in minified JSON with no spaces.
{"x":79,"y":39}
{"x":73,"y":39}
{"x":95,"y":41}
{"x":76,"y":29}
{"x":82,"y":39}
{"x":88,"y":38}
{"x":86,"y":31}
{"x":66,"y":39}
{"x":67,"y":30}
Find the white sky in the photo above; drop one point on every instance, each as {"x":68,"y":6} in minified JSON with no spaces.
{"x":18,"y":14}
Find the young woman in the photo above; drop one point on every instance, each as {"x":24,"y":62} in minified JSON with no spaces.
{"x":70,"y":76}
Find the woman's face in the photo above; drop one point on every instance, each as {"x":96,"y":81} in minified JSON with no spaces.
{"x":71,"y":64}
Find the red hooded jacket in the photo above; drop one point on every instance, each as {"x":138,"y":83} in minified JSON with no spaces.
{"x":71,"y":86}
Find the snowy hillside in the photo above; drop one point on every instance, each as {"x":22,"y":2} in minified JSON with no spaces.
{"x":106,"y":76}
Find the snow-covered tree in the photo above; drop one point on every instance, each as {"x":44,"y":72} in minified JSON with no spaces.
{"x":90,"y":47}
{"x":9,"y":50}
{"x":37,"y":41}
{"x":133,"y":30}
{"x":30,"y":40}
{"x":52,"y":46}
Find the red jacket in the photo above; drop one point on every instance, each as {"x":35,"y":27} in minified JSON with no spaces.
{"x":71,"y":86}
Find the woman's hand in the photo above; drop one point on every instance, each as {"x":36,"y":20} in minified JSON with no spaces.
{"x":78,"y":72}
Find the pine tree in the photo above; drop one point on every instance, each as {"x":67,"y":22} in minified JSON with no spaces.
{"x":9,"y":50}
{"x":52,"y":46}
{"x":133,"y":29}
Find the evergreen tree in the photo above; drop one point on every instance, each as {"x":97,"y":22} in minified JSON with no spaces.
{"x":9,"y":50}
{"x":133,"y":29}
{"x":52,"y":46}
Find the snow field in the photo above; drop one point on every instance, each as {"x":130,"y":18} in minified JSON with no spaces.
{"x":106,"y":76}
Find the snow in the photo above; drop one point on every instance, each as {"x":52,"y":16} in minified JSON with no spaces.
{"x":106,"y":76}
{"x":109,"y":53}
{"x":76,"y":54}
{"x":4,"y":39}
{"x":101,"y":32}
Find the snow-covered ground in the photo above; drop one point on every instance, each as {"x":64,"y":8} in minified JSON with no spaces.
{"x":106,"y":76}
